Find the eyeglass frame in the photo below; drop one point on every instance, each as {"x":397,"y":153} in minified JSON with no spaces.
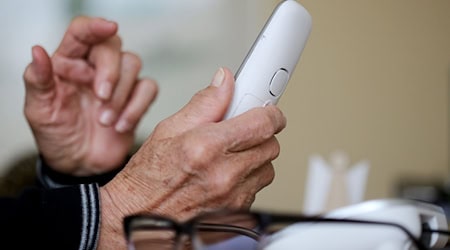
{"x":263,"y":218}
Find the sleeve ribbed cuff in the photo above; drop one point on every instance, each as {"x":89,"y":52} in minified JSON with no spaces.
{"x":90,"y":214}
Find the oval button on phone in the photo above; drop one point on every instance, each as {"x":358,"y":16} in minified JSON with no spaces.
{"x":278,"y":82}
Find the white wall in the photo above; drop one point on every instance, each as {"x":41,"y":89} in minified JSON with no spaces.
{"x":22,"y":23}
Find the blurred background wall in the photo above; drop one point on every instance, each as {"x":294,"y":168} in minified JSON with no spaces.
{"x":373,"y":80}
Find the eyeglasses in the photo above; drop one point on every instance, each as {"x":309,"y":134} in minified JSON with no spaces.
{"x":237,"y":230}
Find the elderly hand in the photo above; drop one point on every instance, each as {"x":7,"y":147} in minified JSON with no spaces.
{"x":84,"y":103}
{"x":195,"y":162}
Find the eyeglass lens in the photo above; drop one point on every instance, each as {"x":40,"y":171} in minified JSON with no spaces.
{"x":163,"y":239}
{"x":241,"y":231}
{"x":228,"y":231}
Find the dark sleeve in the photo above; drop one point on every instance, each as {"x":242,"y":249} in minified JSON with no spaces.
{"x":49,"y":178}
{"x":61,"y":218}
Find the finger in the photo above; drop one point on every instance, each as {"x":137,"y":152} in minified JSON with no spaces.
{"x":259,"y":179}
{"x":263,"y":176}
{"x":207,"y":105}
{"x":129,"y":71}
{"x":239,"y":190}
{"x":142,"y":97}
{"x":253,"y":127}
{"x":106,"y":58}
{"x":244,"y":162}
{"x":38,"y":78}
{"x":83,"y":32}
{"x":73,"y":70}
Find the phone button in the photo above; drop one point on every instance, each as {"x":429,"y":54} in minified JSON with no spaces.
{"x":278,"y":82}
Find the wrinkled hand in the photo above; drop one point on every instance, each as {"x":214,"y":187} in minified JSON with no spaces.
{"x":194,"y":162}
{"x":84,"y":103}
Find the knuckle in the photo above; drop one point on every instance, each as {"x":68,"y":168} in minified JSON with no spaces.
{"x":266,"y":124}
{"x":198,"y":154}
{"x":76,"y":22}
{"x":199,"y":95}
{"x":150,"y":87}
{"x":221,"y":184}
{"x":29,"y":113}
{"x":204,"y":98}
{"x":131,"y":117}
{"x":150,"y":84}
{"x":78,"y":19}
{"x":116,"y":40}
{"x":27,"y":74}
{"x":269,"y":175}
{"x":276,"y":148}
{"x":273,"y":119}
{"x":131,"y":60}
{"x":162,"y":125}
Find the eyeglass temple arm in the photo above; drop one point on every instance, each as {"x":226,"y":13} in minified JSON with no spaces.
{"x":214,"y":227}
{"x":290,"y":218}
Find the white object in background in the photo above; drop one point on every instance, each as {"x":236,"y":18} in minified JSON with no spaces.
{"x":412,"y":215}
{"x":334,"y":184}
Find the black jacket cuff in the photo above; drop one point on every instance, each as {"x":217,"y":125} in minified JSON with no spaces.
{"x":50,"y":178}
{"x":61,"y":218}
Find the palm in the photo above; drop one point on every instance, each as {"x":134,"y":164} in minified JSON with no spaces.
{"x":72,"y":125}
{"x":68,"y":95}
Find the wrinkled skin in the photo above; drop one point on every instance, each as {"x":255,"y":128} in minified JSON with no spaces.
{"x":84,"y":102}
{"x":194,"y":162}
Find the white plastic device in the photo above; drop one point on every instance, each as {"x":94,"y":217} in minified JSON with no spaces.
{"x":412,"y":215}
{"x":265,"y":72}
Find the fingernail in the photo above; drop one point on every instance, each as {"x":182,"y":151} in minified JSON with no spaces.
{"x":104,"y":91}
{"x":110,"y":22}
{"x":107,"y":117}
{"x":218,"y":78}
{"x":123,"y":126}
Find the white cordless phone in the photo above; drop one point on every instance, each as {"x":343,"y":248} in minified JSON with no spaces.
{"x":265,"y":72}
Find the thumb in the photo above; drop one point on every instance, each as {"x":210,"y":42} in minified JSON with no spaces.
{"x":38,"y":78}
{"x":208,"y":105}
